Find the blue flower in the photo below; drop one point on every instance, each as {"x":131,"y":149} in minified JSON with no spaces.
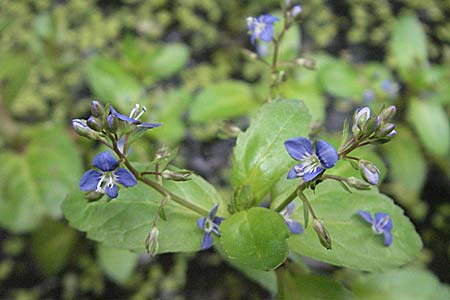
{"x":209,"y":225}
{"x":312,"y":161}
{"x":382,"y":224}
{"x":294,"y":226}
{"x":105,"y":179}
{"x":389,"y":87}
{"x":261,"y":27}
{"x":133,"y":118}
{"x":296,"y":10}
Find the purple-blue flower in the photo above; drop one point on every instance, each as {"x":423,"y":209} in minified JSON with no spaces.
{"x":294,"y":226}
{"x":105,"y":179}
{"x":209,"y":224}
{"x":381,"y":224}
{"x":313,"y":160}
{"x":261,"y":27}
{"x":135,"y":114}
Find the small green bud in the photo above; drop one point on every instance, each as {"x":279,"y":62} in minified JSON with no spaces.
{"x":384,"y":130}
{"x":152,"y":244}
{"x":358,"y":183}
{"x":95,"y":123}
{"x":229,"y":130}
{"x":82,"y":129}
{"x":181,"y":175}
{"x":97,"y":109}
{"x":112,"y":123}
{"x":93,"y":195}
{"x":369,"y":171}
{"x":388,"y":113}
{"x":322,"y":234}
{"x":371,"y":125}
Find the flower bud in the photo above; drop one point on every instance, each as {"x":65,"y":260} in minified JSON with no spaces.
{"x":369,"y":171}
{"x":358,"y":183}
{"x":229,"y":130}
{"x":94,"y":123}
{"x":388,"y":113}
{"x":384,"y":130}
{"x":113,"y":123}
{"x":93,"y":195}
{"x":308,"y":63}
{"x":82,"y":129}
{"x":322,"y":234}
{"x":360,"y":118}
{"x":296,"y":10}
{"x":371,"y":125}
{"x":392,"y":134}
{"x":97,"y":109}
{"x":181,"y":175}
{"x":162,"y":152}
{"x":151,"y":244}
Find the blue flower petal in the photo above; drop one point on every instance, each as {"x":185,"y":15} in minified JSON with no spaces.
{"x":112,"y":191}
{"x":125,"y":178}
{"x":387,"y":238}
{"x":105,"y":161}
{"x":381,"y":223}
{"x":213,"y":211}
{"x":218,"y":220}
{"x":110,"y":120}
{"x":290,"y":208}
{"x":295,"y":227}
{"x":201,"y":223}
{"x":326,"y":153}
{"x":266,"y":34}
{"x":311,"y":175}
{"x":366,"y":216}
{"x":90,"y":180}
{"x":121,"y":117}
{"x":292,"y":173}
{"x":299,"y":148}
{"x":269,"y":19}
{"x":207,"y":241}
{"x":149,"y":125}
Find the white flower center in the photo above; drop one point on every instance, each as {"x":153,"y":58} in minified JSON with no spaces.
{"x":107,"y":180}
{"x":310,"y":164}
{"x":135,"y":113}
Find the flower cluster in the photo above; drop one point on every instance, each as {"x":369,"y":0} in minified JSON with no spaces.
{"x":261,"y":27}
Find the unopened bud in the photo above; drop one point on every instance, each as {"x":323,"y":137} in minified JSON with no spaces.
{"x":371,"y":125}
{"x":82,"y":129}
{"x":151,"y":244}
{"x":181,"y":175}
{"x":230,"y":130}
{"x":113,"y":123}
{"x":322,"y":234}
{"x":162,"y":152}
{"x":388,"y":113}
{"x":358,"y":183}
{"x":97,"y":109}
{"x":369,"y":171}
{"x":94,"y":123}
{"x":296,"y":10}
{"x":360,"y":118}
{"x":385,"y":130}
{"x":308,"y":63}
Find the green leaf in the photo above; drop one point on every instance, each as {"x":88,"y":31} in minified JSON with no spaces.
{"x":408,"y":45}
{"x":13,"y":74}
{"x":116,"y":263}
{"x":110,"y":82}
{"x":35,"y":183}
{"x":21,"y":208}
{"x":403,"y":284}
{"x":221,"y":101}
{"x":256,"y":238}
{"x":55,"y":170}
{"x":309,"y":287}
{"x":165,"y":60}
{"x":52,"y":245}
{"x":260,"y":158}
{"x":432,"y":126}
{"x":354,"y":243}
{"x":126,"y":221}
{"x":340,"y":79}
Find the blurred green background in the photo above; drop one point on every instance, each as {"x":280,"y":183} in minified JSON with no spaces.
{"x":183,"y":59}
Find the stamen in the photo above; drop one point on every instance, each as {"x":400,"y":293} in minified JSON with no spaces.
{"x":143,"y":110}
{"x":134,"y":110}
{"x":99,"y":188}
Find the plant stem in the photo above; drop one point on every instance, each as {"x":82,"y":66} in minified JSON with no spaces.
{"x":288,"y":200}
{"x":159,"y":188}
{"x":306,"y":202}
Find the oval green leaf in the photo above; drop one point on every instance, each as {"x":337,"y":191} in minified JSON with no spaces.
{"x":260,"y":158}
{"x":256,"y":238}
